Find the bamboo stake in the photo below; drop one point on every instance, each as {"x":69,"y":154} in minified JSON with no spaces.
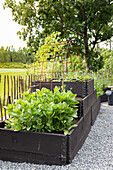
{"x":4,"y":95}
{"x":1,"y":110}
{"x":7,"y":89}
{"x":14,"y":87}
{"x":29,"y":81}
{"x":11,"y":90}
{"x":17,"y":87}
{"x":22,"y":85}
{"x":25,"y":83}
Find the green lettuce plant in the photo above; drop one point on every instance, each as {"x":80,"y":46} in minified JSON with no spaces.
{"x":78,"y":76}
{"x":44,"y":111}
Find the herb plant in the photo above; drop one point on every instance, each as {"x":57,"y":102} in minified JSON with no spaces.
{"x":98,"y":85}
{"x":44,"y":111}
{"x":78,"y":76}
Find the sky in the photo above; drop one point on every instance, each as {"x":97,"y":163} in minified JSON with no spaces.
{"x":8,"y":29}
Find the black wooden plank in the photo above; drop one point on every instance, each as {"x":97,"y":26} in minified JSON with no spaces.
{"x":95,"y":110}
{"x":42,"y":143}
{"x":78,"y":135}
{"x":18,"y":156}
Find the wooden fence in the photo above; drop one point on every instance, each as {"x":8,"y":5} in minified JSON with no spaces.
{"x":10,"y":89}
{"x":12,"y":86}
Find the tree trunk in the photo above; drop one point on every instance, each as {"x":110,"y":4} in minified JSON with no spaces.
{"x":11,"y":60}
{"x":86,"y":47}
{"x":85,"y":38}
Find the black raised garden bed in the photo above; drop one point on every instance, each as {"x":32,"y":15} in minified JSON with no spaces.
{"x":80,"y":88}
{"x":43,"y":148}
{"x":49,"y":148}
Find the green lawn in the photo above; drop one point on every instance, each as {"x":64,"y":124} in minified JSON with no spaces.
{"x":12,"y":65}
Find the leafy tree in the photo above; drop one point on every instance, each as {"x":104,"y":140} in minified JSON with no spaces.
{"x":88,"y":22}
{"x":107,"y":58}
{"x":2,"y":54}
{"x":11,"y":55}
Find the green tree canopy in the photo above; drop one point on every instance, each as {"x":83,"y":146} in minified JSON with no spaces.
{"x":9,"y":54}
{"x":88,"y":22}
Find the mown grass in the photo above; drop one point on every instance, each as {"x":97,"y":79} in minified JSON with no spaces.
{"x":12,"y":65}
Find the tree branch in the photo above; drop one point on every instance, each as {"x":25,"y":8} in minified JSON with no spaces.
{"x":96,"y":39}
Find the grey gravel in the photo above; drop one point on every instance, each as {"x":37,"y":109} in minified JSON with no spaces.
{"x":95,"y":154}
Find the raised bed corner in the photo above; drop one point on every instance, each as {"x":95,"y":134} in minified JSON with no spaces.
{"x":90,"y":86}
{"x":85,"y":103}
{"x":95,"y":110}
{"x":88,"y":101}
{"x":78,"y":135}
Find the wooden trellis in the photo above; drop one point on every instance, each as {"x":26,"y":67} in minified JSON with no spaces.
{"x":57,"y":57}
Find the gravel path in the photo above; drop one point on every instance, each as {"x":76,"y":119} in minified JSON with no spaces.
{"x":95,"y":154}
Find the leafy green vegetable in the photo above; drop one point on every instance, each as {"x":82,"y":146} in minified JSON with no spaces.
{"x":44,"y":111}
{"x":77,"y":76}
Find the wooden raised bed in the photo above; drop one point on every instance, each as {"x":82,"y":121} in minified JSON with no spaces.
{"x":43,"y":148}
{"x":50,"y":148}
{"x":80,"y":88}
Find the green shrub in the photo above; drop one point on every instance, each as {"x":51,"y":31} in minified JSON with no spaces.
{"x":44,"y":111}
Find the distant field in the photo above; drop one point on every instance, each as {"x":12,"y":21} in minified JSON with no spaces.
{"x":12,"y":65}
{"x":9,"y":70}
